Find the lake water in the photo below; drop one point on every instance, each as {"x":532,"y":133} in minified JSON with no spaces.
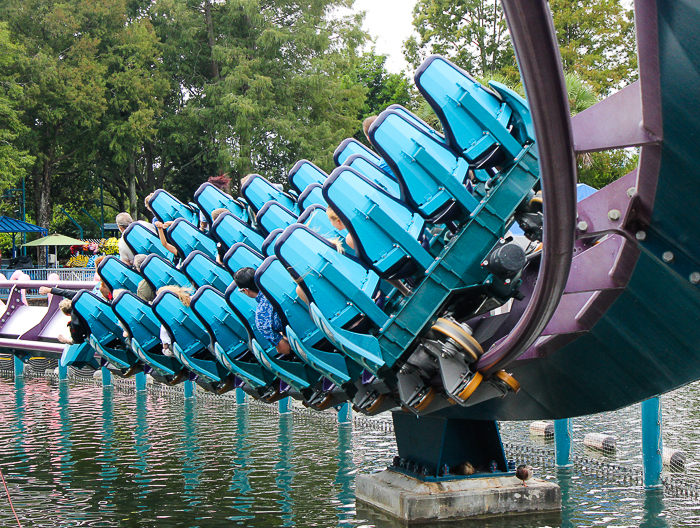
{"x":83,"y":455}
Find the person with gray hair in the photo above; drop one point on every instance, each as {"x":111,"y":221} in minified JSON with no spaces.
{"x":124,"y":220}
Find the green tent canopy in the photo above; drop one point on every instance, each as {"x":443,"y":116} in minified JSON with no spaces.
{"x":55,"y":240}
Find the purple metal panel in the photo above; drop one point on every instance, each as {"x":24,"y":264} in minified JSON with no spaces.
{"x":604,"y":266}
{"x":597,"y":211}
{"x":615,"y":122}
{"x":14,"y":301}
{"x":36,"y":284}
{"x":532,"y":32}
{"x":31,"y":346}
{"x":578,"y":312}
{"x":36,"y":331}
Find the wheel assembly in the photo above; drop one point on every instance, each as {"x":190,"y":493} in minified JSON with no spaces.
{"x":458,"y":334}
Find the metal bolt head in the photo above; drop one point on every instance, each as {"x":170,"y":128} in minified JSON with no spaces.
{"x":667,"y":256}
{"x":582,"y":226}
{"x":641,"y":236}
{"x":485,"y":263}
{"x":631,"y":191}
{"x":695,"y":277}
{"x":614,"y":214}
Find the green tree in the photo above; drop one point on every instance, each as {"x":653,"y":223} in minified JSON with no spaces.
{"x":472,"y":33}
{"x":13,"y":161}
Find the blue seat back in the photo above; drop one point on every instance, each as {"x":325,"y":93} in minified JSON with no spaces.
{"x":160,"y":272}
{"x":203,"y":271}
{"x":430,"y":175}
{"x":312,"y":195}
{"x":372,"y":172}
{"x":223,"y":325}
{"x":268,"y":248}
{"x":280,"y":289}
{"x":98,"y":316}
{"x":474,"y":118}
{"x":328,"y":278}
{"x":375,"y":219}
{"x":303,"y":174}
{"x":141,"y":239}
{"x":258,"y":191}
{"x":180,"y":322}
{"x":242,"y":256}
{"x":230,"y":230}
{"x":187,"y":238}
{"x":244,"y":307}
{"x":274,"y":215}
{"x":351,"y":146}
{"x":167,"y":208}
{"x":138,"y":319}
{"x":210,"y":198}
{"x":118,"y":275}
{"x":315,"y":218}
{"x":410,"y":116}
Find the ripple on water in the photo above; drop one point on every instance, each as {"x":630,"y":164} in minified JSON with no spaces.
{"x":78,"y":455}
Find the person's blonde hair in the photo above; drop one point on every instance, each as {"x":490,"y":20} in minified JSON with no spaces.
{"x":332,"y":215}
{"x":217,"y":212}
{"x":184,"y":293}
{"x":66,"y":306}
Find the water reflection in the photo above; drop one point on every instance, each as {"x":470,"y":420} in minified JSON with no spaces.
{"x":86,"y":456}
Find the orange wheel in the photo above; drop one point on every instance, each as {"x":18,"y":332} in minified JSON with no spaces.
{"x":537,"y":199}
{"x":471,"y":387}
{"x":376,"y":404}
{"x":459,"y":335}
{"x":427,"y":399}
{"x":508,"y":380}
{"x":325,"y":403}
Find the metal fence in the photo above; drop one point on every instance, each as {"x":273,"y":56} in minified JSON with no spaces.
{"x":68,"y":274}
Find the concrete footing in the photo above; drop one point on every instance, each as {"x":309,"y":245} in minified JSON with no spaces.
{"x":411,"y":499}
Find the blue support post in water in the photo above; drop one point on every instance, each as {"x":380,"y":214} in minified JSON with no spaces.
{"x":240,"y":397}
{"x":189,"y":389}
{"x":345,"y":414}
{"x":562,"y":442}
{"x":140,"y":380}
{"x":106,"y":377}
{"x":19,"y":367}
{"x":285,"y":406}
{"x":62,"y":372}
{"x":652,"y":444}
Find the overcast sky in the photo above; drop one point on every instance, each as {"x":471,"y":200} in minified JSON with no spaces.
{"x":390,"y":23}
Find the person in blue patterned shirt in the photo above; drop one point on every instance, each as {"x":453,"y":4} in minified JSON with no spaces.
{"x":267,"y":320}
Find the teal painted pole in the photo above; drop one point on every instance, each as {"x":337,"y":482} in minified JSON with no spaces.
{"x":189,"y":389}
{"x":562,"y":442}
{"x":19,"y":367}
{"x":140,"y":379}
{"x":345,"y":414}
{"x":284,"y":406}
{"x":106,"y":377}
{"x":652,"y":443}
{"x":240,"y":397}
{"x":62,"y":372}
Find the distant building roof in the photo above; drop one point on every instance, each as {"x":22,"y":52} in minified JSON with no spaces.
{"x":111,"y":227}
{"x":11,"y":225}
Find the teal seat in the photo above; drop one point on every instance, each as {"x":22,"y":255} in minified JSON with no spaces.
{"x":258,"y":191}
{"x":431,"y":176}
{"x":386,"y":232}
{"x":160,"y":272}
{"x":118,"y":275}
{"x":230,"y":230}
{"x":315,"y":218}
{"x":312,"y":195}
{"x":229,"y":337}
{"x":410,"y":116}
{"x":340,"y":290}
{"x":190,"y":339}
{"x":341,"y":285}
{"x":209,"y":198}
{"x":203,"y":271}
{"x":305,"y":339}
{"x":144,"y":240}
{"x":268,"y":247}
{"x":143,"y":328}
{"x":105,"y":332}
{"x":79,"y":356}
{"x":303,"y":174}
{"x":187,"y":238}
{"x":274,"y":215}
{"x":168,"y":208}
{"x":351,"y":146}
{"x":242,"y":256}
{"x":476,"y":120}
{"x":372,"y":172}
